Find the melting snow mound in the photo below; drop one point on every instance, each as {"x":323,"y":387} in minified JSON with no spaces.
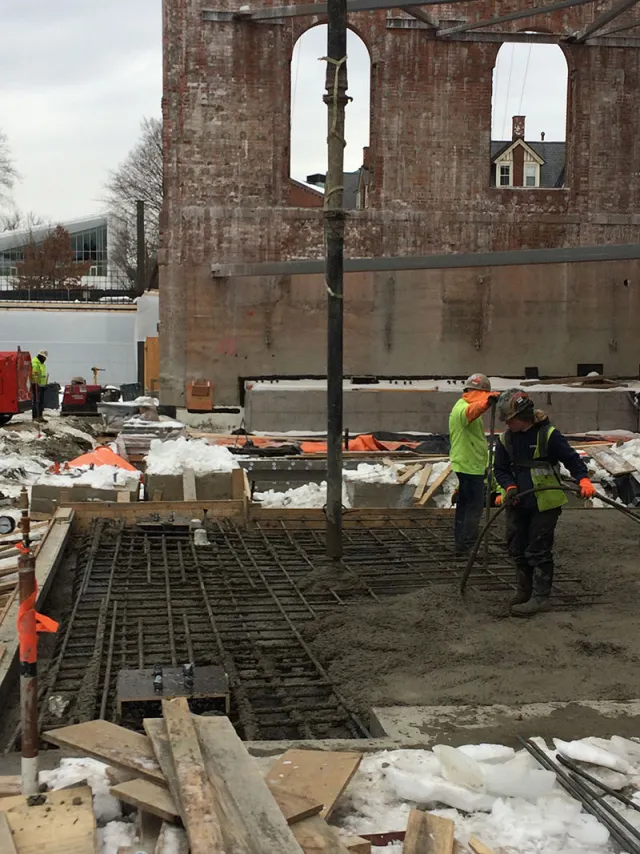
{"x":180,"y":455}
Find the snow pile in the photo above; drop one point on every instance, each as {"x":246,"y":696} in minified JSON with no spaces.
{"x":366,"y":473}
{"x":504,"y":798}
{"x":310,"y":495}
{"x":136,"y":422}
{"x":443,"y":496}
{"x":70,"y":771}
{"x":145,"y":401}
{"x":116,"y":835}
{"x":17,"y":471}
{"x":180,"y":455}
{"x":631,"y":452}
{"x":100,"y":477}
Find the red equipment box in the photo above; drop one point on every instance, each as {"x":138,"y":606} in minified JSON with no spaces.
{"x":15,"y":384}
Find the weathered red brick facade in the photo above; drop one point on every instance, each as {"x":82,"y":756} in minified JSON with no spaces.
{"x":228,"y":199}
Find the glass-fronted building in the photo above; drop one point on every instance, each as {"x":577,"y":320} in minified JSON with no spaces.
{"x":89,"y":240}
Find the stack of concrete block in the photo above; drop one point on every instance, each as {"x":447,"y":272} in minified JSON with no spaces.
{"x":214,"y":486}
{"x":46,"y":498}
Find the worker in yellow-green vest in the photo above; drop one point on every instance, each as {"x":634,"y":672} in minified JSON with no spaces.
{"x":470,"y":458}
{"x":39,"y":379}
{"x":528,"y":456}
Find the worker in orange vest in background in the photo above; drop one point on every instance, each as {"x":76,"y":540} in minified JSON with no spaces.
{"x":39,"y":379}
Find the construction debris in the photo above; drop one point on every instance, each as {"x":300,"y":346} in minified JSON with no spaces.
{"x":210,"y":784}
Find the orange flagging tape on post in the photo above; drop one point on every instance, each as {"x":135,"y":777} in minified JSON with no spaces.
{"x":29,"y":624}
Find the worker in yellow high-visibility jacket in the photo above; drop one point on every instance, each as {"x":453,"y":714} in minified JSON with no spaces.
{"x":39,"y":379}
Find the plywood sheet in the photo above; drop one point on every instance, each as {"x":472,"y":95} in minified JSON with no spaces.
{"x":63,"y":824}
{"x":318,"y":774}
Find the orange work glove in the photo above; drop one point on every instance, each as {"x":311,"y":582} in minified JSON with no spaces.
{"x":511,"y":496}
{"x":587,"y":489}
{"x":497,"y":501}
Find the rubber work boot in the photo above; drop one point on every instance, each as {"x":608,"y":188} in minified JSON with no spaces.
{"x":539,"y":601}
{"x":524,"y":582}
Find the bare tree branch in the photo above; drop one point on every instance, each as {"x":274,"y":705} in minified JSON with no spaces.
{"x":8,"y":173}
{"x":16,"y":220}
{"x":139,"y":177}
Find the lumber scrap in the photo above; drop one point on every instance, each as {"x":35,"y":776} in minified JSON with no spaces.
{"x":356,"y":845}
{"x":319,"y":774}
{"x":612,"y":462}
{"x":428,"y":834}
{"x":189,"y":485}
{"x":293,"y":806}
{"x":112,"y":744}
{"x":147,"y":796}
{"x":437,"y":483}
{"x":172,"y":840}
{"x":315,"y":836}
{"x":149,"y":827}
{"x":408,"y":473}
{"x":64,"y":823}
{"x":422,"y":481}
{"x":231,"y":768}
{"x":7,"y":845}
{"x":189,"y":782}
{"x":115,"y":776}
{"x":479,"y":847}
{"x":11,"y":785}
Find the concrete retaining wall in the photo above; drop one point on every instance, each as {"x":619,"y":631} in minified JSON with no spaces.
{"x":368,"y":409}
{"x":46,"y":499}
{"x":209,"y":487}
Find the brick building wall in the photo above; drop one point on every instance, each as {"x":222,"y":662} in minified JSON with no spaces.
{"x":228,"y":199}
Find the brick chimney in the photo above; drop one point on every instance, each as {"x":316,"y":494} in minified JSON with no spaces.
{"x":517,"y":127}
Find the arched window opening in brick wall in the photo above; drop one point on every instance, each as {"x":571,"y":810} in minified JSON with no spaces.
{"x":308,"y":117}
{"x":529,"y":117}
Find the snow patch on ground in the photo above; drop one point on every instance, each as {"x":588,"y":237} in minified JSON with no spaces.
{"x":100,"y":477}
{"x":70,"y":771}
{"x":545,"y":821}
{"x":178,"y":455}
{"x":310,"y":495}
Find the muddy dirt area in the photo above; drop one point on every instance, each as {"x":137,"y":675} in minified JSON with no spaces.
{"x":432,"y":648}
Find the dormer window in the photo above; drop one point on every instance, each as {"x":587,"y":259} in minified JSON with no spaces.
{"x":504,"y":172}
{"x":531,"y":175}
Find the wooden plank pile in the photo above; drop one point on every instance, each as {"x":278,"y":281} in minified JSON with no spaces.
{"x":198,"y":791}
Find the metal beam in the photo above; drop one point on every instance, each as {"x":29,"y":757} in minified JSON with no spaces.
{"x":514,"y":16}
{"x":304,"y":9}
{"x":620,"y":29}
{"x":500,"y":38}
{"x":421,"y":15}
{"x":510,"y":258}
{"x":603,"y":19}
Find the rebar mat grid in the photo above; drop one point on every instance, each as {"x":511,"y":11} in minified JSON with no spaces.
{"x":146,"y":595}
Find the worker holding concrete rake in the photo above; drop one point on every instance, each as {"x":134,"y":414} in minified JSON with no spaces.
{"x":528,"y":456}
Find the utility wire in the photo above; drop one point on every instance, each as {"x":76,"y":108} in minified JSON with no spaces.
{"x":524,"y":82}
{"x":506,"y":101}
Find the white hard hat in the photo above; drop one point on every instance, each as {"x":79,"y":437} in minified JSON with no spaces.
{"x":43,"y":353}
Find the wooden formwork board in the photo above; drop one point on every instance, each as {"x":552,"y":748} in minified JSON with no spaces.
{"x":145,"y":511}
{"x":370,"y":517}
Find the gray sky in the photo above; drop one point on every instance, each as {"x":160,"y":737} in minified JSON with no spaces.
{"x":77,"y":78}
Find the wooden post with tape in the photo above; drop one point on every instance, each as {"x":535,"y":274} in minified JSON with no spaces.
{"x":29,"y":624}
{"x":28,"y":639}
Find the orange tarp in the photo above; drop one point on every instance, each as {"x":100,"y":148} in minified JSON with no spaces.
{"x":102,"y":456}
